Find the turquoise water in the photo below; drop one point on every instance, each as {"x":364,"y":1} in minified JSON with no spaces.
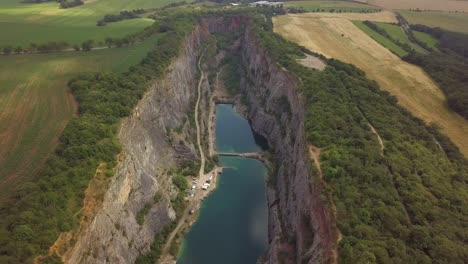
{"x":232,"y":225}
{"x":233,"y":132}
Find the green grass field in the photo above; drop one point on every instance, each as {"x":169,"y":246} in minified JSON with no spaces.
{"x":448,"y":20}
{"x":35,"y":103}
{"x":381,"y":39}
{"x":397,"y":33}
{"x":23,"y":23}
{"x":345,"y":6}
{"x":426,"y":38}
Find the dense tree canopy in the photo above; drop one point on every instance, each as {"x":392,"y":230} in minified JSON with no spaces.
{"x":406,"y":204}
{"x":448,"y":67}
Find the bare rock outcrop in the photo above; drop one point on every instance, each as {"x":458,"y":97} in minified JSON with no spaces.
{"x":302,"y":227}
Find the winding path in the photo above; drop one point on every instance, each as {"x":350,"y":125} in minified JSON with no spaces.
{"x":164,"y":255}
{"x":197,"y":124}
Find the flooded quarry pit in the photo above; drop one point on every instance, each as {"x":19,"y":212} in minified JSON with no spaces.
{"x":232,"y":224}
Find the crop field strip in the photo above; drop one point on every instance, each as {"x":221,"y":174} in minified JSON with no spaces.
{"x":35,"y":104}
{"x":394,"y":48}
{"x":334,"y":35}
{"x":426,"y":38}
{"x":451,"y":21}
{"x":444,"y":5}
{"x":396,"y":32}
{"x":23,"y":24}
{"x":396,"y":39}
{"x":344,"y":6}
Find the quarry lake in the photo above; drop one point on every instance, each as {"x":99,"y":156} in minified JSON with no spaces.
{"x":232,"y":225}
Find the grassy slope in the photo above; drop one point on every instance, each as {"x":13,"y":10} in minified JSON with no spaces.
{"x":381,"y":39}
{"x":22,"y":24}
{"x":397,"y":33}
{"x":327,"y":5}
{"x":426,"y":38}
{"x":35,"y":104}
{"x":448,"y":20}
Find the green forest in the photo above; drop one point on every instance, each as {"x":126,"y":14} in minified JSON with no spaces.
{"x":50,"y":205}
{"x":407,"y":204}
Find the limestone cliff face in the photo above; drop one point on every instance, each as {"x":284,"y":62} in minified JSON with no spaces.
{"x":301,"y":223}
{"x":114,"y":236}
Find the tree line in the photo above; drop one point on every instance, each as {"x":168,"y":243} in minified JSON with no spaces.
{"x":37,"y":1}
{"x":383,"y":32}
{"x":63,"y":3}
{"x":69,"y":4}
{"x":448,"y":40}
{"x":451,"y":74}
{"x":123,"y":15}
{"x":448,"y":66}
{"x":54,"y":46}
{"x":87,"y":45}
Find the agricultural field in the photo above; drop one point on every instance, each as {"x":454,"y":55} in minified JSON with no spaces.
{"x":344,"y":6}
{"x":35,"y":104}
{"x":384,"y":16}
{"x":381,"y":39}
{"x":397,"y":33}
{"x":337,"y":37}
{"x":23,"y":24}
{"x":442,"y":5}
{"x":426,"y":38}
{"x":451,"y":21}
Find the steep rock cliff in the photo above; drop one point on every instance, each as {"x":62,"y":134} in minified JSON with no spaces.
{"x":301,"y":223}
{"x":114,"y":236}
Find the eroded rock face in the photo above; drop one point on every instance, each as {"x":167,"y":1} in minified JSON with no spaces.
{"x":114,"y":236}
{"x":301,"y":225}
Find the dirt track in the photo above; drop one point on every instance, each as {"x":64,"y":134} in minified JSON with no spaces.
{"x":201,"y":173}
{"x":336,"y":36}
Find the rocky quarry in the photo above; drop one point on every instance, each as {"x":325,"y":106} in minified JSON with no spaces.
{"x":302,"y":226}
